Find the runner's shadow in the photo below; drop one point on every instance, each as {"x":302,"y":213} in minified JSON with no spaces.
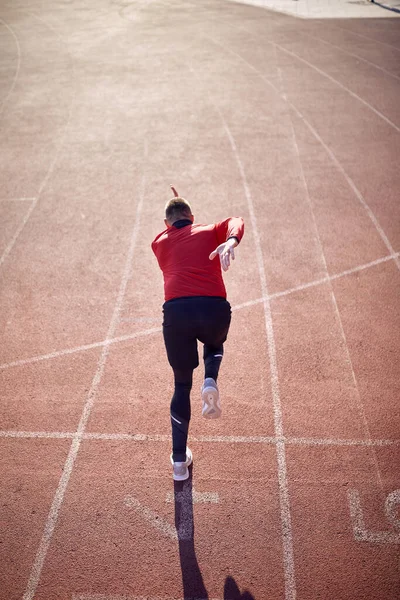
{"x":192,"y":579}
{"x":232,"y":592}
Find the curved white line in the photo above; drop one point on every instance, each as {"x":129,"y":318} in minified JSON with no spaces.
{"x":341,"y":85}
{"x":357,"y":56}
{"x":17,"y":70}
{"x":24,"y":221}
{"x":330,"y":153}
{"x":367,"y":38}
{"x":49,"y":170}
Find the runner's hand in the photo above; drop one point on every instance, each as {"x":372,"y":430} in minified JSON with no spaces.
{"x":225,"y":252}
{"x":174,"y":190}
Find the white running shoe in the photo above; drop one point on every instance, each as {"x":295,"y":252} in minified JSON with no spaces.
{"x":210,"y":396}
{"x":180,"y":469}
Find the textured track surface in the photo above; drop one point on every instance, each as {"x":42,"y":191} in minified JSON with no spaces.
{"x":292,"y":124}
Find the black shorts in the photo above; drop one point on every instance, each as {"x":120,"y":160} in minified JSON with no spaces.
{"x":186,"y":320}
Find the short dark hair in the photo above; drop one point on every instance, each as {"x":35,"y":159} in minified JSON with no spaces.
{"x":177,"y":208}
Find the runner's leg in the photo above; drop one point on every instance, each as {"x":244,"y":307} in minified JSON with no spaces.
{"x":180,"y":413}
{"x":181,"y":346}
{"x":212,"y":356}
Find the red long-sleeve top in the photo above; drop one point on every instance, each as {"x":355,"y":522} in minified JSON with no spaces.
{"x":182,"y":252}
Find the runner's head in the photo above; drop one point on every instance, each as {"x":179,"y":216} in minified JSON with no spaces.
{"x":176,"y":209}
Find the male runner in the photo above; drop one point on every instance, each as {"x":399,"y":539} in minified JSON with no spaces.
{"x":195,"y":309}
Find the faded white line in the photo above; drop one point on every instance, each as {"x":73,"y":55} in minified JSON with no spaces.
{"x":212,"y":439}
{"x":74,"y":449}
{"x":338,"y":83}
{"x":18,"y":67}
{"x":37,"y":434}
{"x":347,"y":357}
{"x":357,"y":56}
{"x":24,"y":221}
{"x":196,"y":497}
{"x":46,"y":177}
{"x":125,"y":597}
{"x":330,"y":153}
{"x":367,"y":38}
{"x":17,"y":199}
{"x":131,"y":336}
{"x":329,"y":278}
{"x":116,"y":340}
{"x":153,"y":518}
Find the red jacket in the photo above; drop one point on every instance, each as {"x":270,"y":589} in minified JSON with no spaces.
{"x":182,"y":252}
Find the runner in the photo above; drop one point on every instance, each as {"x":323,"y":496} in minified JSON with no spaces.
{"x":195,"y":308}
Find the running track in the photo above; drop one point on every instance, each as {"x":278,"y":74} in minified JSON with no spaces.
{"x":293,"y":124}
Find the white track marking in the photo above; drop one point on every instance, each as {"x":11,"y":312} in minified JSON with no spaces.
{"x":37,"y":434}
{"x":360,"y":532}
{"x":153,"y":518}
{"x":339,"y":442}
{"x":10,"y":245}
{"x":74,"y":449}
{"x":357,"y":56}
{"x":392,"y":506}
{"x":359,"y":403}
{"x":329,"y":278}
{"x":287,"y":541}
{"x":196,"y":497}
{"x":131,"y":336}
{"x":367,"y":38}
{"x":17,"y":199}
{"x":46,"y":177}
{"x":186,"y":497}
{"x":18,"y":67}
{"x":211,"y":439}
{"x":116,"y":340}
{"x":330,"y":153}
{"x":125,"y":597}
{"x":341,"y":85}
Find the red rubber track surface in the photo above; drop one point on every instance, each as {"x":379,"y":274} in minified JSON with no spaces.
{"x":292,"y":124}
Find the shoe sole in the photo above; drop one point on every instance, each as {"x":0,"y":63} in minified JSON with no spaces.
{"x":210,"y":397}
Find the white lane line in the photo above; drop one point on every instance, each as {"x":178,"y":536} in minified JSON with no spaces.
{"x":330,"y":153}
{"x":24,"y":221}
{"x":359,"y":402}
{"x":116,"y":340}
{"x":18,"y":66}
{"x":330,"y":278}
{"x":196,"y":497}
{"x":37,"y":434}
{"x":339,"y":442}
{"x":154,"y":330}
{"x":125,"y":597}
{"x":211,"y":439}
{"x":367,"y":38}
{"x":357,"y":56}
{"x":17,"y":199}
{"x":287,"y":539}
{"x":74,"y":449}
{"x":46,"y":177}
{"x":347,"y":357}
{"x":338,"y":83}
